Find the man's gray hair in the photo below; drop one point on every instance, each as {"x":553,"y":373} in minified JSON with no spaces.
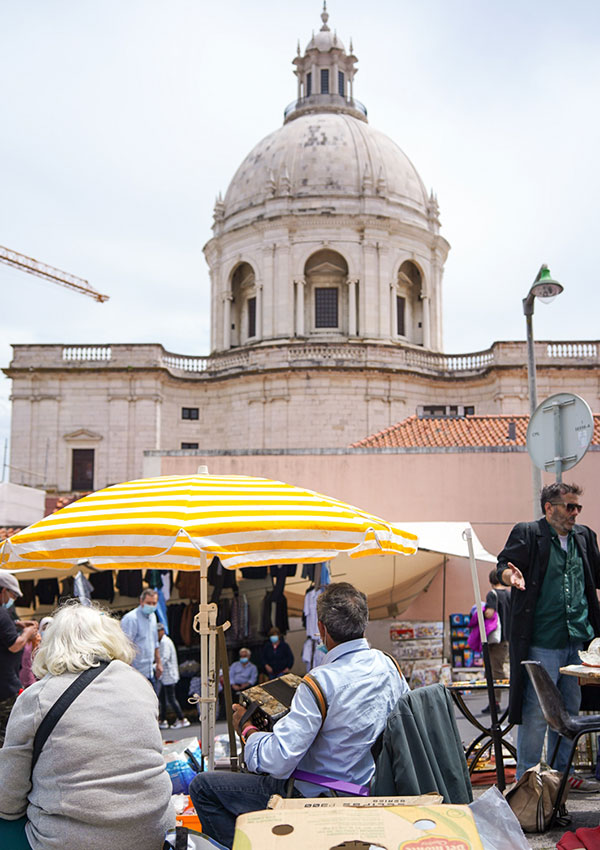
{"x":344,"y":612}
{"x":553,"y":491}
{"x":148,"y":591}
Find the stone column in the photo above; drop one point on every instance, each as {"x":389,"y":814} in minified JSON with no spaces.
{"x":300,"y":283}
{"x":352,"y":323}
{"x":334,"y":90}
{"x":426,"y":321}
{"x":316,"y":81}
{"x":393,"y":326}
{"x":227,"y":299}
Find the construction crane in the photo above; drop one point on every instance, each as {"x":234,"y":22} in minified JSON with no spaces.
{"x":28,"y":264}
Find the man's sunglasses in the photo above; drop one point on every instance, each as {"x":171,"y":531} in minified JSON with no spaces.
{"x":570,"y":506}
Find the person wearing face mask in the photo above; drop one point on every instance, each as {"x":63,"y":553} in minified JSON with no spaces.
{"x":140,"y":626}
{"x":243,"y":673}
{"x":277,"y":657}
{"x":14,"y":634}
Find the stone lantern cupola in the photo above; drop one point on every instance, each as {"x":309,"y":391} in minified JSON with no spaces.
{"x":325,"y":76}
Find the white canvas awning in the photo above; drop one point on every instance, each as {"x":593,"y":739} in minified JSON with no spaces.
{"x":392,"y":583}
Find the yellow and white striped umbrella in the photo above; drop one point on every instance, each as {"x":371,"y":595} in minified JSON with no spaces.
{"x":168,"y":521}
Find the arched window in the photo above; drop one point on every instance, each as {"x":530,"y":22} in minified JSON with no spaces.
{"x":407,"y":316}
{"x":243,"y":305}
{"x":326,"y":303}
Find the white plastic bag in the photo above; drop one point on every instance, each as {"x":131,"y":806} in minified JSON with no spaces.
{"x":496,"y":823}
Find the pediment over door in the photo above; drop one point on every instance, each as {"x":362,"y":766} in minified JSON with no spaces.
{"x":82,"y":435}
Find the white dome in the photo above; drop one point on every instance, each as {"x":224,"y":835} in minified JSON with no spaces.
{"x":327,"y":154}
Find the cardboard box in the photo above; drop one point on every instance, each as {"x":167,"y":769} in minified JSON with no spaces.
{"x":320,"y":825}
{"x":279,"y":803}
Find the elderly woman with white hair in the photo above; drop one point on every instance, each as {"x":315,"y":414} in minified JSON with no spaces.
{"x":99,"y":778}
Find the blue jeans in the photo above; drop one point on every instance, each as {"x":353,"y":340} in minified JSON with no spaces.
{"x":530,"y":738}
{"x":219,"y":797}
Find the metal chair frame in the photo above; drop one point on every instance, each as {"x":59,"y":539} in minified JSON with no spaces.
{"x":558,"y":718}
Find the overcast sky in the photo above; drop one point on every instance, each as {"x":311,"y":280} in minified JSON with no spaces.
{"x":123,"y":119}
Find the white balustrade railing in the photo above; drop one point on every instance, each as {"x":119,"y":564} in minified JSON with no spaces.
{"x":86,"y":352}
{"x":572,"y":349}
{"x":298,"y":354}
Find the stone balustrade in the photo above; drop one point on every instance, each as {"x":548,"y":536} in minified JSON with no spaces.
{"x":297,"y":355}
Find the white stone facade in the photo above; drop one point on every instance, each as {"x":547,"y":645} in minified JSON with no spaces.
{"x":122,"y":400}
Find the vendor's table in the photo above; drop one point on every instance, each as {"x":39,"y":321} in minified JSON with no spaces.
{"x":586,"y":675}
{"x":484,"y":741}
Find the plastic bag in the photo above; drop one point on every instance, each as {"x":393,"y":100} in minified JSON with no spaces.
{"x":496,"y":823}
{"x":183,"y":760}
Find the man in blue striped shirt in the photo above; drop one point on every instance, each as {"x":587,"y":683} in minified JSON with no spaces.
{"x":360,"y":686}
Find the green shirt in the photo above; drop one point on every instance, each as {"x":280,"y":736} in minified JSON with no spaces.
{"x":561,"y":613}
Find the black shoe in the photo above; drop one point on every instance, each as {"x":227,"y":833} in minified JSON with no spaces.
{"x":487,"y":709}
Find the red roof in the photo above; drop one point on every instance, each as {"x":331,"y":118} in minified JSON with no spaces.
{"x":470,"y":431}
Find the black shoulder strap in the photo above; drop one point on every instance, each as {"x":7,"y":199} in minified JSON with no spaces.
{"x":60,"y":706}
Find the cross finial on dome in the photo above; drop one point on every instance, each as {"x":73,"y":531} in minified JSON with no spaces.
{"x":324,"y":17}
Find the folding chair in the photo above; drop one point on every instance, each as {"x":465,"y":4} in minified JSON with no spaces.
{"x":558,"y":718}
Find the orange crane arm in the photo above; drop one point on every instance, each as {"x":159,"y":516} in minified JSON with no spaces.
{"x":28,"y":264}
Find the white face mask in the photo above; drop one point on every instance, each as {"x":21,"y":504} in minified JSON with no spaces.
{"x":9,"y":603}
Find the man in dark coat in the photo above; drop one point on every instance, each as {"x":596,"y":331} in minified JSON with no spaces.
{"x":553,"y":567}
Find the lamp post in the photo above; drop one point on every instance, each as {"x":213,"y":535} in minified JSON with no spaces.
{"x":546,"y":289}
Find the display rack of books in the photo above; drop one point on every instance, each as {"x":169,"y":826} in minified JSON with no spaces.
{"x":466,"y":664}
{"x":418,"y":647}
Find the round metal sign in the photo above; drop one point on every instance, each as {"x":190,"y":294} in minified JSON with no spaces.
{"x":560,"y":432}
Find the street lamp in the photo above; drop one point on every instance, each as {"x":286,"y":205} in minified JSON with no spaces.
{"x":546,"y":289}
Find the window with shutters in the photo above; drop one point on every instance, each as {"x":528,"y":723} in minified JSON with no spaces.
{"x":326,"y":307}
{"x":82,"y":469}
{"x":252,"y":317}
{"x":324,"y":80}
{"x":400,"y":315}
{"x":341,"y":84}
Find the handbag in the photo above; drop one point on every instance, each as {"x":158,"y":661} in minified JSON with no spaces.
{"x":533,"y":796}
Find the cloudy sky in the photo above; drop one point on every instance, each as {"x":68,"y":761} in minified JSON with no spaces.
{"x":122,"y":120}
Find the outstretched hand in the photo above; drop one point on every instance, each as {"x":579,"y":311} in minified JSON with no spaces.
{"x":515,"y":577}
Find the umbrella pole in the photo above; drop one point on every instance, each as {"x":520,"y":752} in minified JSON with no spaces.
{"x":207,"y":622}
{"x":496,"y":731}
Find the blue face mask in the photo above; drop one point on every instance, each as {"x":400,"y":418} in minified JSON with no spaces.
{"x":244,"y":659}
{"x":274,"y":638}
{"x":9,"y":603}
{"x":149,"y":609}
{"x":322,"y":648}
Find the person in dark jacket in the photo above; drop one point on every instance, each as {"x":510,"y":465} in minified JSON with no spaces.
{"x":553,"y":567}
{"x":277,"y":657}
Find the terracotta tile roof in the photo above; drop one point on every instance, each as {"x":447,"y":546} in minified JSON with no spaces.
{"x":469,"y":431}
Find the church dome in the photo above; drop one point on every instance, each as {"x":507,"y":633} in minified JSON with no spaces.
{"x":324,"y":157}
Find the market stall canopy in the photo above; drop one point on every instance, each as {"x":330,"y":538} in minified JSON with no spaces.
{"x":391,"y":584}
